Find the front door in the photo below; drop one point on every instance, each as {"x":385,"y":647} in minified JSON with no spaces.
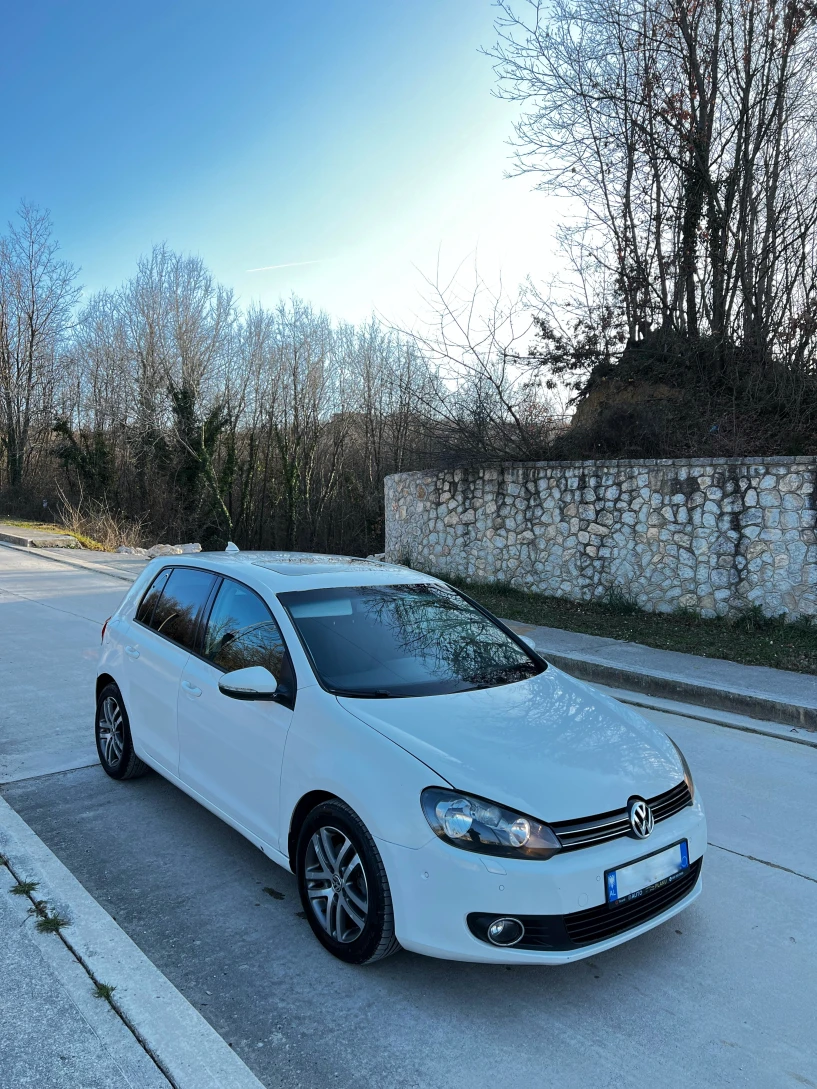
{"x":231,"y":751}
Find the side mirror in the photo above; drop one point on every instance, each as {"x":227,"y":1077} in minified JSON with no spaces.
{"x":528,"y":642}
{"x":252,"y":683}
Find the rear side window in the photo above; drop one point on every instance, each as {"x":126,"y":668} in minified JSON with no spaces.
{"x":144,"y":613}
{"x":241,"y":632}
{"x":183,"y":598}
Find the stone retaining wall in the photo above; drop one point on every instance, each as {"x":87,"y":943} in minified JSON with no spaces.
{"x":714,"y":536}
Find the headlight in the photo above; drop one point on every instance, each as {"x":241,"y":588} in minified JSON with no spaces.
{"x":687,"y":772}
{"x":476,"y":825}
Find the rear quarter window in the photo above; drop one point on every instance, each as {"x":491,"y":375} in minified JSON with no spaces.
{"x":144,"y":614}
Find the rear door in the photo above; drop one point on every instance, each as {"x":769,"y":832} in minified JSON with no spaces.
{"x":157,"y":644}
{"x":231,"y":750}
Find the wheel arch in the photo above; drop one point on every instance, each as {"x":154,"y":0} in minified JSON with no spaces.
{"x":303,"y":808}
{"x":101,"y":681}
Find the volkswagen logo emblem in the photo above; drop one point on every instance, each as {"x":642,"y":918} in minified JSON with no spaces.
{"x":642,"y":821}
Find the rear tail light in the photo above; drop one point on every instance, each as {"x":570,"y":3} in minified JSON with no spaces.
{"x":104,"y":626}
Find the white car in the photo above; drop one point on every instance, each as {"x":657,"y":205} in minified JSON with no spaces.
{"x":430,"y":780}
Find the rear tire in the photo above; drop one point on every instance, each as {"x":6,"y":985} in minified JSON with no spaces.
{"x":113,"y":737}
{"x":343,"y":885}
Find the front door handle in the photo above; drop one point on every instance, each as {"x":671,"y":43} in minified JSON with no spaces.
{"x":132,"y":652}
{"x":191,"y":689}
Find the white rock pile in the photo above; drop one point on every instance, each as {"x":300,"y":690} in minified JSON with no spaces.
{"x":159,"y":550}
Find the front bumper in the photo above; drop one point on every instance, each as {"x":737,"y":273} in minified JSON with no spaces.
{"x":435,"y":888}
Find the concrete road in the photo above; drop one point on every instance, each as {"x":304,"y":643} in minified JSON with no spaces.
{"x":51,"y":618}
{"x":723,"y":995}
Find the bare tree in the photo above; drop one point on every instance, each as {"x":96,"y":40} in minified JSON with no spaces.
{"x":37,"y":294}
{"x":172,"y":412}
{"x":685,"y":133}
{"x":485,"y":403}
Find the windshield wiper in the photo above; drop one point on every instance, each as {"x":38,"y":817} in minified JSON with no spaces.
{"x":508,"y":674}
{"x":376,"y":693}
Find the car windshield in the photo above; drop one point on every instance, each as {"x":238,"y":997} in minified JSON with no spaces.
{"x":411,"y":640}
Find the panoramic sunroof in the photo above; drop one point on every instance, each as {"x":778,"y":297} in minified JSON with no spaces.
{"x":307,"y":563}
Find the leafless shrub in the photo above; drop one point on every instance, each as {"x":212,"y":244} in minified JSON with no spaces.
{"x":93,"y":521}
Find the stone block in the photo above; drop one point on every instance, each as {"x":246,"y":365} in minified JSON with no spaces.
{"x":791,"y":482}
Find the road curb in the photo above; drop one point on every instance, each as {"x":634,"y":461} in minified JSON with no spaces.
{"x":188,"y":1051}
{"x":59,"y":556}
{"x":663,"y":686}
{"x":38,"y":539}
{"x":795,"y":735}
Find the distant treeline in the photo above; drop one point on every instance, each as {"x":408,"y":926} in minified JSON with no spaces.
{"x":162,"y":410}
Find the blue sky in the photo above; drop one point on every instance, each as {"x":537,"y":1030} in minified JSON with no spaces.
{"x":359,"y":136}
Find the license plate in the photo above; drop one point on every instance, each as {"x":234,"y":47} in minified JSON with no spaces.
{"x":630,"y":882}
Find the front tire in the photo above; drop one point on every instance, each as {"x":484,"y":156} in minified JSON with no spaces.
{"x":113,"y":737}
{"x":343,"y":885}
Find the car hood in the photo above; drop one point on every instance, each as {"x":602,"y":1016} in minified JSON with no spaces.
{"x":549,"y":746}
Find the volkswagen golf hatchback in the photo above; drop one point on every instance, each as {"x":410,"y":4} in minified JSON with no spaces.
{"x":429,"y":779}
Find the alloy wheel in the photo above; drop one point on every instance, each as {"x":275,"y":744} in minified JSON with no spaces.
{"x":336,"y":884}
{"x":111,"y":731}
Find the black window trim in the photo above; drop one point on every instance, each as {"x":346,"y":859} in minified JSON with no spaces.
{"x":286,"y":699}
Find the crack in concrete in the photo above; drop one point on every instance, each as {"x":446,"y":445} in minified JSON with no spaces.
{"x":46,"y":774}
{"x":764,"y":862}
{"x":45,"y":605}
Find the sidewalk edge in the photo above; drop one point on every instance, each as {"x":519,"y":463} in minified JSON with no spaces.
{"x":185,"y":1047}
{"x":795,"y":735}
{"x":69,"y":561}
{"x":674,"y":688}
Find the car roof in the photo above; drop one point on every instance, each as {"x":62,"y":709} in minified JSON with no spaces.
{"x":281,"y":571}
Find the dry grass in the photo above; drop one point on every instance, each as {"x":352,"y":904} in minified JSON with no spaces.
{"x":96,"y":526}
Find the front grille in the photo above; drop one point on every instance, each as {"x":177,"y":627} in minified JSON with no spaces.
{"x":580,"y":928}
{"x":592,"y":830}
{"x":598,"y":923}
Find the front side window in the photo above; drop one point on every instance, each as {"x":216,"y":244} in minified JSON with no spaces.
{"x":412,"y":640}
{"x":241,"y":632}
{"x":177,"y":611}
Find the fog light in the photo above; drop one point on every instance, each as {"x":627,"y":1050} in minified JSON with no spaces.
{"x":505,"y":932}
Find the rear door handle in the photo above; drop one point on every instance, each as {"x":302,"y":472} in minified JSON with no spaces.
{"x":132,"y":652}
{"x":191,"y":688}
